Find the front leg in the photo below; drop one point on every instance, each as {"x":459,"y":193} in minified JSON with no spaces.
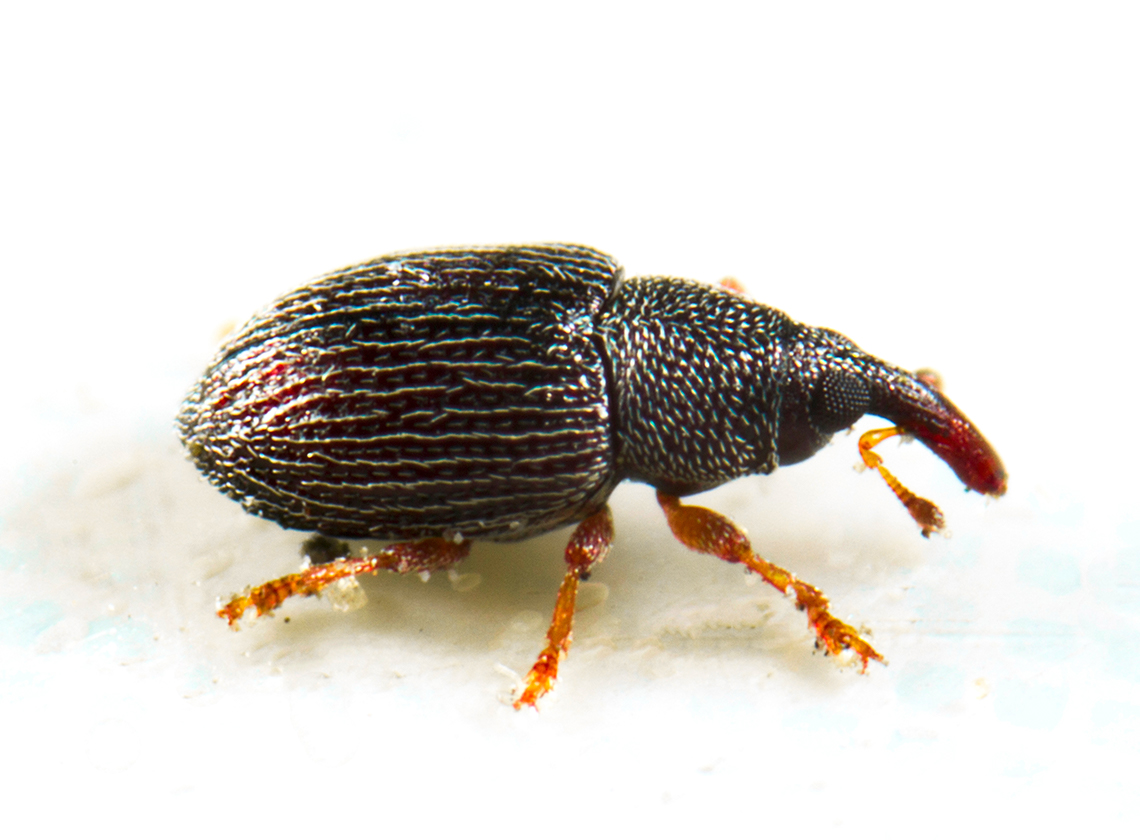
{"x":710,"y":533}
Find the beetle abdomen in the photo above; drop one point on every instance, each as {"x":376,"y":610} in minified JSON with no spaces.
{"x":454,"y":391}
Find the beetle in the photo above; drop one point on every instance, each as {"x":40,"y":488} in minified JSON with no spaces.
{"x":437,"y":397}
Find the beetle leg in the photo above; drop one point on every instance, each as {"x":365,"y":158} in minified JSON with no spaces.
{"x":733,"y":286}
{"x":420,"y":556}
{"x":923,"y":511}
{"x":588,"y":546}
{"x":710,"y":533}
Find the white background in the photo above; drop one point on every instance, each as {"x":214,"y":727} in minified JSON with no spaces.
{"x":952,"y":185}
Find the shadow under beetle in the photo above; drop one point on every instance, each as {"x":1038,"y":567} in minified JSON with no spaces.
{"x":444,"y":396}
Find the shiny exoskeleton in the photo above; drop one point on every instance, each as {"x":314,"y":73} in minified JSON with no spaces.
{"x":497,"y":393}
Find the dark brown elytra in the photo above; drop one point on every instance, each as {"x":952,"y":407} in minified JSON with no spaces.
{"x":439,"y":397}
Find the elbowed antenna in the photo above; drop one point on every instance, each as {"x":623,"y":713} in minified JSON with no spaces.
{"x":919,"y":409}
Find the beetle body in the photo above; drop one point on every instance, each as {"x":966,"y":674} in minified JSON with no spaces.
{"x":497,"y":393}
{"x":455,"y":392}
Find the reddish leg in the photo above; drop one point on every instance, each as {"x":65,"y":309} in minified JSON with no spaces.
{"x":733,"y":286}
{"x":923,"y":511}
{"x":421,"y":556}
{"x":588,"y":545}
{"x":710,"y":533}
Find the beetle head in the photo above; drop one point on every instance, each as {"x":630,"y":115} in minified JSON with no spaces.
{"x":916,"y":406}
{"x":829,"y":383}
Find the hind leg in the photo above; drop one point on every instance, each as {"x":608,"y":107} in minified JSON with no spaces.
{"x":420,"y":556}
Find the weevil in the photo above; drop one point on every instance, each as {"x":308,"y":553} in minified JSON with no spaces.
{"x":434,"y":398}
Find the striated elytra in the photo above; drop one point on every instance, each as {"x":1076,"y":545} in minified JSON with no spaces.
{"x":438,"y":397}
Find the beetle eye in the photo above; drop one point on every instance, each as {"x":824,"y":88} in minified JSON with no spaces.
{"x":839,"y":400}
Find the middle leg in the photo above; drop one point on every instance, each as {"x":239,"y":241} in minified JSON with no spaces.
{"x":588,"y":546}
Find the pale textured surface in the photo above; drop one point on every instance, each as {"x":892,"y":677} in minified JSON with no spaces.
{"x":954,"y":189}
